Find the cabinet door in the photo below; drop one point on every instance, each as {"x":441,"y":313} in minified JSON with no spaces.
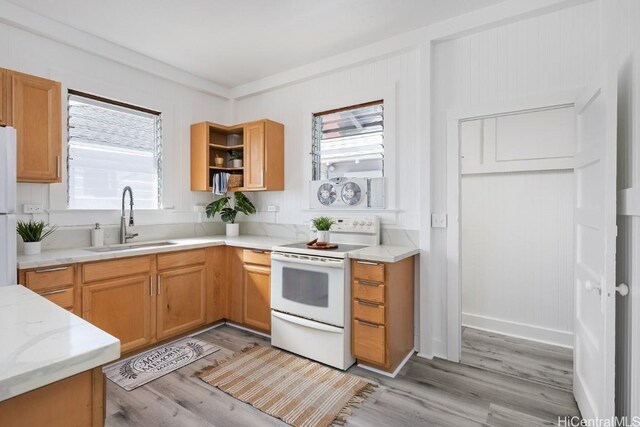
{"x":35,"y":113}
{"x":235,"y":276}
{"x":217,"y":284}
{"x":122,"y":308}
{"x":257,"y":297}
{"x":181,"y":300}
{"x":4,"y":97}
{"x":254,"y":156}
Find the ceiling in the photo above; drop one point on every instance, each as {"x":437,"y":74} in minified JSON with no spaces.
{"x":232,"y":42}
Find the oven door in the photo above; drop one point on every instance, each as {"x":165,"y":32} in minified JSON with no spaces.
{"x":309,"y":287}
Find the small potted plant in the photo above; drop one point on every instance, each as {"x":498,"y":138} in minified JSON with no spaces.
{"x":323,"y":225}
{"x":236,"y":159}
{"x":228,"y":213}
{"x":32,"y":233}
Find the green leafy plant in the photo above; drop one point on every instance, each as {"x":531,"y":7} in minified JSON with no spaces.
{"x":236,"y":155}
{"x":226,"y":211}
{"x":323,"y":223}
{"x":33,"y":231}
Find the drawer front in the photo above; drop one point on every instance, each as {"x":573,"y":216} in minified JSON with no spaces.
{"x":181,"y":259}
{"x":365,"y":270}
{"x":369,"y":342}
{"x":62,"y":297}
{"x":256,"y":257}
{"x":102,"y":270}
{"x":368,"y":311}
{"x":47,"y":278}
{"x":368,"y":291}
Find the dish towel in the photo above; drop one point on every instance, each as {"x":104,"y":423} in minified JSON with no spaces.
{"x":219,"y":183}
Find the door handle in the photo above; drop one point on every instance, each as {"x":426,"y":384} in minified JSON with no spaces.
{"x":58,"y":166}
{"x":622,"y":289}
{"x":590,"y":286}
{"x":150,"y":285}
{"x":158,"y":281}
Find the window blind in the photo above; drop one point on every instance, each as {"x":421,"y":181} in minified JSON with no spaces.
{"x":349,"y":141}
{"x":111,"y":146}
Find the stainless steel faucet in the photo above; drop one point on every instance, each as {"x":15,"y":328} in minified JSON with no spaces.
{"x":124,"y":236}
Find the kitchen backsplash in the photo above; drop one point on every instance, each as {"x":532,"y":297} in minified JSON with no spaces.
{"x":72,"y":237}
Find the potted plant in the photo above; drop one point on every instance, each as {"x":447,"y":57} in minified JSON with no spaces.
{"x":236,"y":159}
{"x":323,"y":225}
{"x":228,"y":213}
{"x":32,"y":233}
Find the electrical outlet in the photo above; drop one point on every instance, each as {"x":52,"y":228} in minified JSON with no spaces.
{"x":31,"y":209}
{"x":199,"y":208}
{"x":439,"y":220}
{"x":272,"y":208}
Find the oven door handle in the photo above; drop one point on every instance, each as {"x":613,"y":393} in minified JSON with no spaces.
{"x":338,"y":263}
{"x":307,"y":323}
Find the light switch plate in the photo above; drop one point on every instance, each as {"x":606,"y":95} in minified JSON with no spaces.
{"x":438,"y":220}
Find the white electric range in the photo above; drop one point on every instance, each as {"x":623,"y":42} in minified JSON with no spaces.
{"x":311,"y":293}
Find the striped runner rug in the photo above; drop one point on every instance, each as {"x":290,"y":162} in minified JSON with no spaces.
{"x":300,"y":392}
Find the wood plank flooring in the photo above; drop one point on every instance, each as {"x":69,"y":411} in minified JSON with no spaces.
{"x":425,"y":393}
{"x":540,"y":363}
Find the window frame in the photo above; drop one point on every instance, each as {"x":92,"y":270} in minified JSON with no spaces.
{"x":159,"y":152}
{"x":316,"y":156}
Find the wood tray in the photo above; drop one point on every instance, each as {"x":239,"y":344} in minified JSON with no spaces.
{"x":312,"y":245}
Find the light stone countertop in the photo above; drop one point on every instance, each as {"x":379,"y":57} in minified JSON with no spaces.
{"x":384,"y":253}
{"x":381,"y":253}
{"x":70,"y":256}
{"x":43,"y":343}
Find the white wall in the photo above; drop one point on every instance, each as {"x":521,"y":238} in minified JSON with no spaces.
{"x":180,"y":106}
{"x":626,"y":46}
{"x":536,"y":56}
{"x":395,"y":79}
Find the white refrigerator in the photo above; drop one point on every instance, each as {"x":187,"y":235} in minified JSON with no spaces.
{"x":7,"y":206}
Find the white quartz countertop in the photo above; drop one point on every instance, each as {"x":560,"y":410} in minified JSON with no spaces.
{"x":71,"y":256}
{"x":384,"y":253}
{"x":43,"y":343}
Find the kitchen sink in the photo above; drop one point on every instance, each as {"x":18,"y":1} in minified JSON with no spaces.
{"x":129,"y":247}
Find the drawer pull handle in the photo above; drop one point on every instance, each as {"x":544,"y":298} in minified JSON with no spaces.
{"x":369,"y":324}
{"x":59,"y":291}
{"x":150,"y":285}
{"x":368,"y":283}
{"x":368,"y":263}
{"x":158,"y":281}
{"x":257,"y":251}
{"x":48,"y":270}
{"x":368,"y":304}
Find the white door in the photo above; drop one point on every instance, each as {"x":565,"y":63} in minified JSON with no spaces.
{"x":595,"y":245}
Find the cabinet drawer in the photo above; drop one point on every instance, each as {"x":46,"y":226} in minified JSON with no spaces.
{"x":368,"y":311}
{"x":256,"y":257}
{"x":62,"y":297}
{"x":365,"y":270}
{"x":181,"y":259}
{"x":126,"y":267}
{"x":369,"y":342}
{"x":46,"y":278}
{"x":368,"y":291}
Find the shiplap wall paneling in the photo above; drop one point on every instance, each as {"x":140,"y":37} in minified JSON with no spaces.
{"x":536,"y":56}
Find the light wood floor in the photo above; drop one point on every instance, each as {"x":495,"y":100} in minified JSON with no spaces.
{"x":425,"y":393}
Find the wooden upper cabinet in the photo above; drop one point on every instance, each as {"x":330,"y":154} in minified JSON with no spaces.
{"x":4,"y":97}
{"x":35,"y":113}
{"x":262,"y":146}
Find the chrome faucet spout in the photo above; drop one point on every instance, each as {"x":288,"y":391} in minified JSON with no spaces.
{"x":124,"y":236}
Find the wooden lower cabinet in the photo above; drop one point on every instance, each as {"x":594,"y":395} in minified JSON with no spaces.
{"x":122,"y":308}
{"x":57,"y":284}
{"x":257,"y":297}
{"x":181,"y":296}
{"x":382,"y":311}
{"x":235,"y":277}
{"x":75,"y":401}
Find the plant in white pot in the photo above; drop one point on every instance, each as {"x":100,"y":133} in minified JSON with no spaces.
{"x":32,"y":233}
{"x":236,"y":159}
{"x":323,"y":225}
{"x":228,"y":213}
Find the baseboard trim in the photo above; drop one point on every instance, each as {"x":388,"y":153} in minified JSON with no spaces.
{"x":244,"y":328}
{"x":519,"y":330}
{"x":385,"y":373}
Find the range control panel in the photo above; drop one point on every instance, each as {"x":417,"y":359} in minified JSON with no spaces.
{"x":354,"y":224}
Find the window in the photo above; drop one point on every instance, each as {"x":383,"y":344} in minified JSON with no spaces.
{"x":112,"y":145}
{"x":349,"y":142}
